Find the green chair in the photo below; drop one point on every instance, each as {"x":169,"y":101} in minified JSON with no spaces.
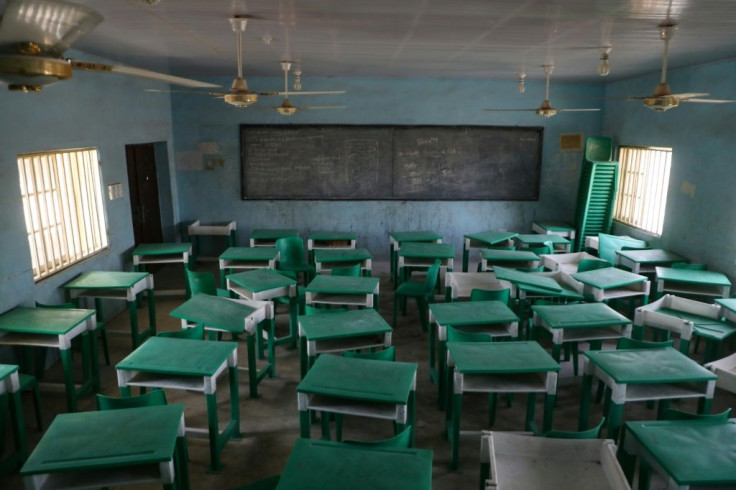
{"x":101,"y":327}
{"x":423,"y":293}
{"x":545,"y":248}
{"x":292,"y":257}
{"x":455,"y":335}
{"x":502,"y":295}
{"x":348,"y":270}
{"x":692,"y":267}
{"x":203,"y":283}
{"x":593,"y":433}
{"x":402,"y":440}
{"x":193,"y":333}
{"x":593,"y":264}
{"x":388,"y":354}
{"x":675,"y":414}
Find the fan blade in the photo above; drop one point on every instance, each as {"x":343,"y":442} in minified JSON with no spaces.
{"x":193,"y":92}
{"x":329,"y":92}
{"x":511,"y":110}
{"x":577,"y":110}
{"x":141,"y":73}
{"x":689,"y":96}
{"x":710,"y":101}
{"x":52,"y":24}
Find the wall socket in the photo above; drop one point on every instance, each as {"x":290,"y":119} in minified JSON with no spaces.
{"x":115,"y":191}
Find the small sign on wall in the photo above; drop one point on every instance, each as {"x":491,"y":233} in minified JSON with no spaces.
{"x":571,"y":142}
{"x":114,"y":191}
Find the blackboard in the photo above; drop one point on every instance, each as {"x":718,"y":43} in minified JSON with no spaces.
{"x":391,"y":162}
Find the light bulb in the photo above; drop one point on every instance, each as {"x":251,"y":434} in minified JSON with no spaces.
{"x":604,"y":67}
{"x":297,"y":84}
{"x":522,"y":86}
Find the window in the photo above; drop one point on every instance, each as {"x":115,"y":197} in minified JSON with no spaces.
{"x":62,"y":203}
{"x":642,"y":188}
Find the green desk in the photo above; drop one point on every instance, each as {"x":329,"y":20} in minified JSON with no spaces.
{"x":643,"y":375}
{"x":264,"y":285}
{"x":343,"y":291}
{"x":461,"y":284}
{"x":56,"y":328}
{"x":192,"y":365}
{"x":646,"y":260}
{"x":235,"y":317}
{"x":246,"y":259}
{"x":686,"y":317}
{"x":422,"y":256}
{"x":490,"y":317}
{"x":565,"y":230}
{"x":330,"y":240}
{"x":686,"y":453}
{"x":485,"y":239}
{"x":161,"y":253}
{"x":531,"y":286}
{"x":612,"y":283}
{"x":10,"y":393}
{"x":398,"y":238}
{"x":111,"y":448}
{"x":326,"y":259}
{"x":102,"y":285}
{"x":340,"y":332}
{"x":360,"y":387}
{"x":498,"y":367}
{"x":710,"y":284}
{"x":507,"y":258}
{"x":325,"y":465}
{"x":587,"y":322}
{"x":559,"y":243}
{"x":197,"y":229}
{"x":262,"y":237}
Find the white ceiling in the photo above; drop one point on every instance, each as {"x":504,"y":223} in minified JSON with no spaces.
{"x":411,"y":38}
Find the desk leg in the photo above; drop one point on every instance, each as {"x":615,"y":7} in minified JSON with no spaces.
{"x":215,"y":464}
{"x":132,"y":310}
{"x":442,"y":374}
{"x":585,"y":402}
{"x":293,"y":326}
{"x":151,"y":312}
{"x":704,"y":405}
{"x":454,"y":432}
{"x":303,"y":360}
{"x":549,"y":410}
{"x":234,"y":401}
{"x":68,"y":368}
{"x":182,"y":463}
{"x":531,"y":404}
{"x":94,"y":360}
{"x":19,"y":427}
{"x":615,"y":414}
{"x":466,"y":254}
{"x":252,"y":367}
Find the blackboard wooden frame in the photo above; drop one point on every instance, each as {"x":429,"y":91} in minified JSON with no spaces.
{"x":390,"y":162}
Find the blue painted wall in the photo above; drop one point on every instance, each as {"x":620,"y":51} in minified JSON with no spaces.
{"x":700,"y":225}
{"x":214,"y":195}
{"x":90,"y":110}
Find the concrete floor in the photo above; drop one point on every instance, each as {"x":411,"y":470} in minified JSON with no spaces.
{"x":269,"y":424}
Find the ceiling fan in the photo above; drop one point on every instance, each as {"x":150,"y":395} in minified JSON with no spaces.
{"x":663,"y":99}
{"x":287,"y":108}
{"x":239,"y":95}
{"x":546,"y":110}
{"x":34,"y":35}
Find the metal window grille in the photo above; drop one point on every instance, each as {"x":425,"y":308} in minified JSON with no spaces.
{"x":642,"y":192}
{"x":62,"y":203}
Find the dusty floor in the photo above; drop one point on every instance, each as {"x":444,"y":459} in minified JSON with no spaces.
{"x":270,"y":423}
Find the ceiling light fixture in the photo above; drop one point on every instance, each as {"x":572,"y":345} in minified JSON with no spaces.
{"x":297,"y":77}
{"x":604,"y":67}
{"x":522,"y":85}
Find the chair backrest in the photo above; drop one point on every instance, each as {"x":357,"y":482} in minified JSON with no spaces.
{"x":433,"y":274}
{"x":627,"y":343}
{"x":692,"y":267}
{"x":583,"y":434}
{"x":154,"y":398}
{"x":608,"y":244}
{"x":502,"y":247}
{"x":58,"y":305}
{"x":545,"y":248}
{"x":675,"y":414}
{"x":200,"y":283}
{"x":291,"y":250}
{"x":348,"y":270}
{"x":593,"y":264}
{"x":193,"y":333}
{"x":400,"y":440}
{"x":311,"y":310}
{"x":501,"y":295}
{"x":455,"y":335}
{"x":388,"y":354}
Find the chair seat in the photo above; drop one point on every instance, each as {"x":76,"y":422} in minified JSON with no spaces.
{"x":412,"y":289}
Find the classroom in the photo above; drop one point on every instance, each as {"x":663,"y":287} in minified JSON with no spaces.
{"x":196,"y":145}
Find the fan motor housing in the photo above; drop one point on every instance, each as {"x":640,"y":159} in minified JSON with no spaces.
{"x":30,"y":73}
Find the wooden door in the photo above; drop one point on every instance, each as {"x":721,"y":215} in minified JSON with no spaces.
{"x":144,"y":204}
